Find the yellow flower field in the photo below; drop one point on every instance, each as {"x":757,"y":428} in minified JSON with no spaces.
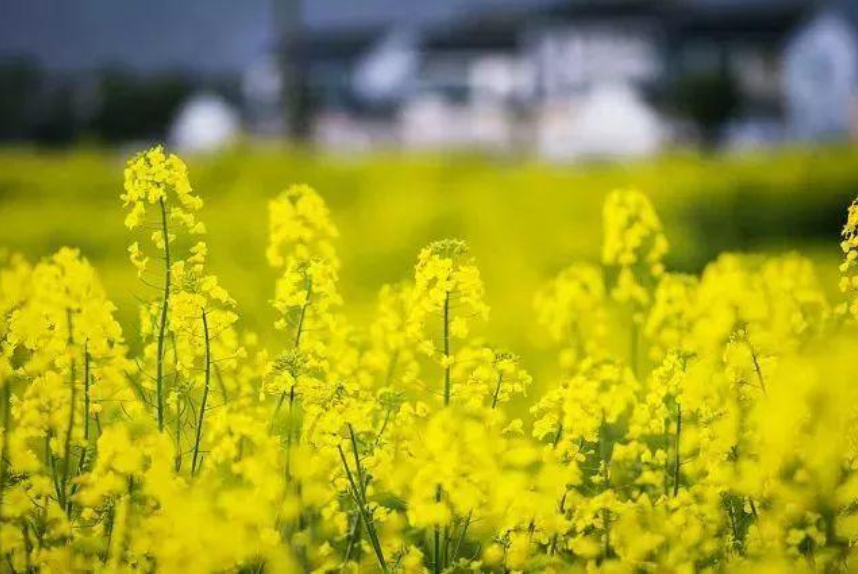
{"x":524,"y":222}
{"x":697,"y":421}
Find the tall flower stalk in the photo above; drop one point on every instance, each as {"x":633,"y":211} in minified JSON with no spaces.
{"x":162,"y":320}
{"x":204,"y":401}
{"x":155,"y":179}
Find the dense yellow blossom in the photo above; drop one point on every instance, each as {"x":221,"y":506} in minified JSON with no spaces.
{"x":701,"y":423}
{"x":299,"y":226}
{"x":572,"y":308}
{"x":633,"y":246}
{"x":849,"y":245}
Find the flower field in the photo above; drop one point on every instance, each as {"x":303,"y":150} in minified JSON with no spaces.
{"x":685,"y":410}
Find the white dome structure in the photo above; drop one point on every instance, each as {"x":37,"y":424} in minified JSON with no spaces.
{"x":204,"y":123}
{"x":611,"y":121}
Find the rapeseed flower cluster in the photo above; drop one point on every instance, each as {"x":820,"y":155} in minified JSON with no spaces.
{"x":700,"y":423}
{"x":849,"y":274}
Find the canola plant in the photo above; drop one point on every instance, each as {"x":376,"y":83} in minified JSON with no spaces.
{"x":701,"y":423}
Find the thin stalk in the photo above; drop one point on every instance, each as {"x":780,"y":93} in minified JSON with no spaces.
{"x":67,"y":448}
{"x":86,"y":403}
{"x":110,"y":519}
{"x":436,"y":566}
{"x":354,"y":536}
{"x":447,"y":349}
{"x":70,"y":429}
{"x":178,"y":462}
{"x":28,"y":547}
{"x":676,"y":447}
{"x":757,"y":368}
{"x":497,"y":390}
{"x":448,"y":537}
{"x":296,"y":344}
{"x":86,"y":399}
{"x":162,"y":326}
{"x":384,"y":424}
{"x":606,"y":515}
{"x":558,"y":436}
{"x":205,"y":395}
{"x":289,"y":433}
{"x":52,"y":464}
{"x":736,"y":541}
{"x":447,"y":369}
{"x":753,"y":508}
{"x":300,"y":329}
{"x":7,"y":398}
{"x":462,"y":534}
{"x":360,"y":502}
{"x":358,"y":465}
{"x":562,"y":509}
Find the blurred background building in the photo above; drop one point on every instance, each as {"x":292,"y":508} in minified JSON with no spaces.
{"x":558,"y":79}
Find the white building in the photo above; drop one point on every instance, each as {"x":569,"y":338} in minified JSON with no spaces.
{"x":608,"y":121}
{"x":572,"y":79}
{"x":821,"y":78}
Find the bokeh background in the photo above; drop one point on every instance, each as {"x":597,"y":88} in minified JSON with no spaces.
{"x":504,"y":122}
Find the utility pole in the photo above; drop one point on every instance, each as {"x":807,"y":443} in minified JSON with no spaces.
{"x":291,"y":48}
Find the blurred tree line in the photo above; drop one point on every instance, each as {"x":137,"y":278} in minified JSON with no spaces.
{"x":115,"y":105}
{"x":106,"y":106}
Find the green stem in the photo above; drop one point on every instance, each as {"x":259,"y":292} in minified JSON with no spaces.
{"x":447,"y":349}
{"x":7,"y":398}
{"x":28,"y":547}
{"x":300,"y":329}
{"x":162,"y":326}
{"x":462,"y":536}
{"x":606,"y":477}
{"x":446,"y":539}
{"x":354,"y":536}
{"x":178,"y":456}
{"x":736,"y":540}
{"x":86,"y":403}
{"x":70,"y":429}
{"x":52,"y":464}
{"x":290,"y":431}
{"x":86,"y":399}
{"x":757,"y":368}
{"x":358,"y":465}
{"x":676,"y":447}
{"x":108,"y":527}
{"x":298,"y":332}
{"x":384,"y":424}
{"x":205,"y":395}
{"x":497,"y":390}
{"x":177,"y":462}
{"x":360,"y":502}
{"x":437,"y":561}
{"x":67,"y":458}
{"x":558,"y":436}
{"x":562,"y":509}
